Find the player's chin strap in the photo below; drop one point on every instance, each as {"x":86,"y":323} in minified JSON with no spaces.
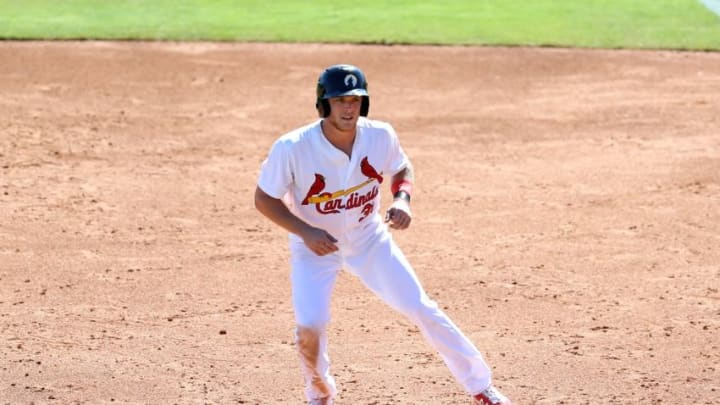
{"x":401,"y":189}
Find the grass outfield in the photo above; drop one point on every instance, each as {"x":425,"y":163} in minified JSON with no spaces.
{"x":669,"y":24}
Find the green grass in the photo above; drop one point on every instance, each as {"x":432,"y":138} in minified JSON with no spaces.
{"x":670,"y":24}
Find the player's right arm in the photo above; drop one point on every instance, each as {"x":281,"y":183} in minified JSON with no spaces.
{"x":316,"y":239}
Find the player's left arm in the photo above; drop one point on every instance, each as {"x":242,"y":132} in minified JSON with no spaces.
{"x":399,"y":215}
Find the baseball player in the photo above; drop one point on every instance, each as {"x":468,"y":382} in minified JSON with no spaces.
{"x":321,"y":183}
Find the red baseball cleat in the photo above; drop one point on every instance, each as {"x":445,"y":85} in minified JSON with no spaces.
{"x":491,"y":396}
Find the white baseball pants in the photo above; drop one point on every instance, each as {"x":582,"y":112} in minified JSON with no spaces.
{"x":382,"y":267}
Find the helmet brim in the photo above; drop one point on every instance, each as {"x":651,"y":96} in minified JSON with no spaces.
{"x":353,"y":92}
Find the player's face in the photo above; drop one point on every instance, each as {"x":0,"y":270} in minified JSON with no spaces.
{"x":344,"y":112}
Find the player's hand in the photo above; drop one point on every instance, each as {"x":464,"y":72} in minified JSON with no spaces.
{"x":319,"y":241}
{"x":399,"y":215}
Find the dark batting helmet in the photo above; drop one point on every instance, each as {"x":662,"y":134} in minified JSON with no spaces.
{"x":341,"y":80}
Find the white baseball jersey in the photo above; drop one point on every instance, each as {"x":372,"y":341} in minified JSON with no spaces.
{"x":322,"y":185}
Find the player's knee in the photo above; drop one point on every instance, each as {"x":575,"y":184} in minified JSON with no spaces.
{"x":418,"y":309}
{"x":306,"y":333}
{"x":308,"y":342}
{"x":308,"y":336}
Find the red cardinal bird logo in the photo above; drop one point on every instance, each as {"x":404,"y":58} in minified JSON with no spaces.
{"x":317,"y":186}
{"x":369,"y":171}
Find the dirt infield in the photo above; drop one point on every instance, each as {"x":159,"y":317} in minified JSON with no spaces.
{"x":567,"y":217}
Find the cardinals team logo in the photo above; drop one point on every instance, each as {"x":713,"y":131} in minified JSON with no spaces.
{"x":332,"y":202}
{"x":369,"y":171}
{"x":317,"y":186}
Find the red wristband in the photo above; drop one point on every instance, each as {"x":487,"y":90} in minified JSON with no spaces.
{"x":402,"y":185}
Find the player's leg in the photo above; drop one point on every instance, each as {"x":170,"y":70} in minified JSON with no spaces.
{"x":313,"y":278}
{"x":383,"y":268}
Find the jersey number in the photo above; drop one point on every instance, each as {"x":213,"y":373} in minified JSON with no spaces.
{"x":366,"y":211}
